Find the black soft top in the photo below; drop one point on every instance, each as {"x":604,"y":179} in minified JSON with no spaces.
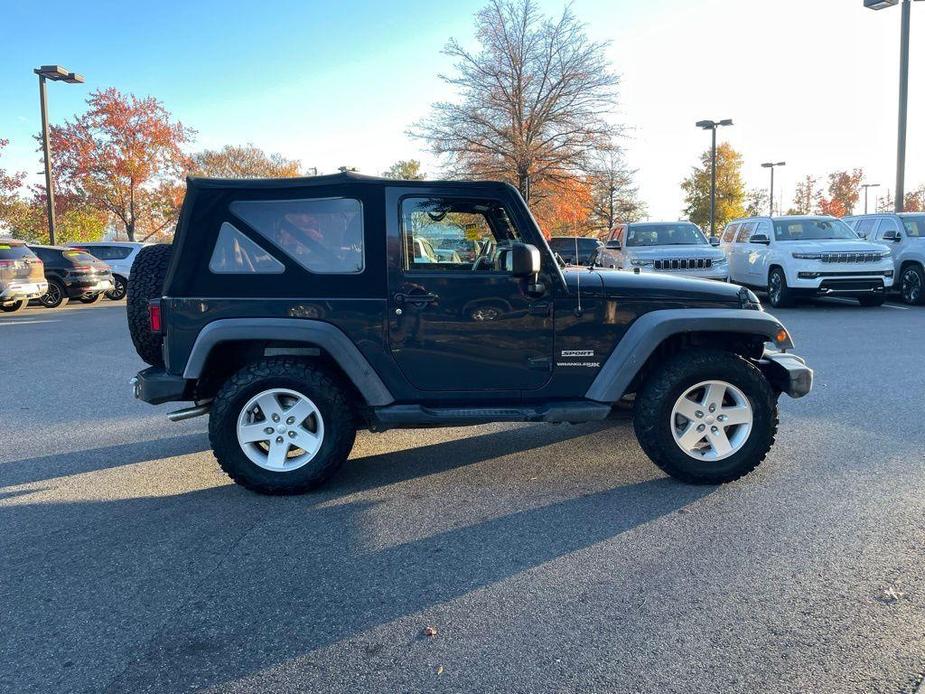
{"x":339,"y":179}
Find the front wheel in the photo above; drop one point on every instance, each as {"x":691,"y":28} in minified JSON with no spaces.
{"x":779,"y":294}
{"x":55,"y":296}
{"x":912,"y":285}
{"x":281,"y":426}
{"x":93,"y":298}
{"x":706,"y":416}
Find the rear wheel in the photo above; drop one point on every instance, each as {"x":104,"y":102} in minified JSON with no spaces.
{"x":872,"y":300}
{"x":779,"y":294}
{"x":281,"y":426}
{"x":118,"y":291}
{"x":92,"y":298}
{"x":15,"y":306}
{"x":148,"y":273}
{"x":912,"y":285}
{"x":55,"y":296}
{"x":706,"y":416}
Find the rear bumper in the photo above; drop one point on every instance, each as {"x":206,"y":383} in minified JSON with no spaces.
{"x":156,"y":386}
{"x":15,"y":291}
{"x":787,"y":372}
{"x":77,"y":288}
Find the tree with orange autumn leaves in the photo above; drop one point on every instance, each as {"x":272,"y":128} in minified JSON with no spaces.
{"x":124,"y":156}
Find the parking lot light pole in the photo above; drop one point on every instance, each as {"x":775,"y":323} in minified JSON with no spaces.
{"x":771,"y":165}
{"x":712,"y":125}
{"x":865,"y":186}
{"x":899,"y":201}
{"x":55,"y":73}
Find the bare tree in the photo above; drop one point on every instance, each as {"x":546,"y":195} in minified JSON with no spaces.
{"x":534,"y":99}
{"x":614,"y":198}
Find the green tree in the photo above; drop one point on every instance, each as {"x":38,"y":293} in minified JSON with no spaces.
{"x":806,"y":196}
{"x":730,"y":188}
{"x":243,"y":161}
{"x":405,"y":170}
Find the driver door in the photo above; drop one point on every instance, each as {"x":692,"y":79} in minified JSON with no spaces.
{"x":458,"y":320}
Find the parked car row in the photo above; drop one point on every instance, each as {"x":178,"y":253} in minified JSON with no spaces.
{"x":53,"y":275}
{"x":862,"y":257}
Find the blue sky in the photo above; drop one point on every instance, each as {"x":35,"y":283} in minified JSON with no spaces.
{"x":812,"y":82}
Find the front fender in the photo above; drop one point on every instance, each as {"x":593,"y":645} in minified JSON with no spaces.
{"x":651,"y":329}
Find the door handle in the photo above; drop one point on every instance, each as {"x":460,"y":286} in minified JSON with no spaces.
{"x":427,"y":298}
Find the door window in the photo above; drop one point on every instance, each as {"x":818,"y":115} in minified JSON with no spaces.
{"x":865,"y":227}
{"x":746,"y":231}
{"x":445,"y":234}
{"x":886,"y":224}
{"x":730,"y":233}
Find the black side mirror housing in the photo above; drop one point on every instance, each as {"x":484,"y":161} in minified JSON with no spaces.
{"x":714,"y":240}
{"x":759,"y":238}
{"x":522,"y":260}
{"x":892,"y":235}
{"x":614,"y":245}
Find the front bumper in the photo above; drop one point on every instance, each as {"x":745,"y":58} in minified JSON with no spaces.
{"x":720,"y":274}
{"x":835,"y":279}
{"x":23,"y":290}
{"x":787,"y":372}
{"x":156,"y":386}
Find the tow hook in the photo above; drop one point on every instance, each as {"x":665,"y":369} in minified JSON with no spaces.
{"x":197,"y":410}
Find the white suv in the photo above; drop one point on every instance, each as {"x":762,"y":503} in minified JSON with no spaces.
{"x":119,"y":255}
{"x":904,"y":234}
{"x":806,"y":256}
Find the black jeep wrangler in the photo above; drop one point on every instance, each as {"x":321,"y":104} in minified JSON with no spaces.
{"x":295,"y":311}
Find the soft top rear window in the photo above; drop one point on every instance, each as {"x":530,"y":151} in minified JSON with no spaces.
{"x":10,"y":251}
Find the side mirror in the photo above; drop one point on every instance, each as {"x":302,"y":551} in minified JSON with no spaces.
{"x":614,"y":245}
{"x":892,"y":235}
{"x":714,"y":240}
{"x":522,"y":260}
{"x":759,"y":238}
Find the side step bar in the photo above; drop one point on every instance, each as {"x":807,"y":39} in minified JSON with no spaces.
{"x":411,"y":416}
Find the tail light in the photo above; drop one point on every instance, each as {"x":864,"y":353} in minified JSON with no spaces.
{"x":154,"y":315}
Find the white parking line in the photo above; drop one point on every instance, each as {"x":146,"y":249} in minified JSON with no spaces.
{"x":852,"y":301}
{"x":27,"y":322}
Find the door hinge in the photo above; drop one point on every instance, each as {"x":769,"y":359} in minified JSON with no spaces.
{"x":540,"y":363}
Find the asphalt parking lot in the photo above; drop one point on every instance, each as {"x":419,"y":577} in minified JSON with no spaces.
{"x":546,"y":558}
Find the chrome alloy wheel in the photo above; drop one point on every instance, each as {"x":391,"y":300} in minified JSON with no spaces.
{"x":280,"y":430}
{"x":711,"y":420}
{"x":775,"y":287}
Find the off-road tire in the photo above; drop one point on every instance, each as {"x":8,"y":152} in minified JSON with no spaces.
{"x":15,"y":306}
{"x":118,"y":292}
{"x":91,"y":298}
{"x":906,"y":289}
{"x":655,"y":400}
{"x":782,"y":298}
{"x":872,"y":300}
{"x":148,"y":273}
{"x":47,"y":302}
{"x":316,"y":383}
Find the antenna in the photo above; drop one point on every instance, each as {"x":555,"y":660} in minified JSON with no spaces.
{"x":578,"y":310}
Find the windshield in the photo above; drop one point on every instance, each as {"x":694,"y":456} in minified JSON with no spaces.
{"x":915,"y":226}
{"x":678,"y":234}
{"x":816,"y":229}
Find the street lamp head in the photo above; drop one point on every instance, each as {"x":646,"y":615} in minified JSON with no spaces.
{"x":705,"y":124}
{"x":56,"y":73}
{"x":726,"y":121}
{"x":879,"y":4}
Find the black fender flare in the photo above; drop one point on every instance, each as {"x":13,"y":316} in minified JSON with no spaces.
{"x":324,"y":335}
{"x":651,"y":329}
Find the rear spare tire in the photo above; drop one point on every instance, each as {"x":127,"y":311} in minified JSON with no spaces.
{"x":148,"y":273}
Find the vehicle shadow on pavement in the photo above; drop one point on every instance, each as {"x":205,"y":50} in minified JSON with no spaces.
{"x":211,"y":586}
{"x":47,"y":467}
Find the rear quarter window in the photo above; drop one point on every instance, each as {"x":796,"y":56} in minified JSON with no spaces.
{"x":323,"y":235}
{"x":9,"y":251}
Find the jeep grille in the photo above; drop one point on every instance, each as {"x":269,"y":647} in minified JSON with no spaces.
{"x":684,"y":264}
